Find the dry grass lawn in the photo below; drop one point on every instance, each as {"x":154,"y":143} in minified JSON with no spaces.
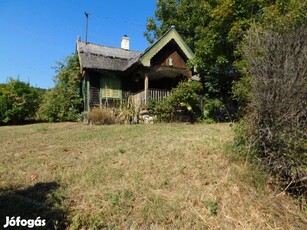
{"x":163,"y":176}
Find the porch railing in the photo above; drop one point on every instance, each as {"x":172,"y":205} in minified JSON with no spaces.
{"x":138,"y":99}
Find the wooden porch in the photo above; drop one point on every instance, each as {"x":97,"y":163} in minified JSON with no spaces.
{"x":139,"y":99}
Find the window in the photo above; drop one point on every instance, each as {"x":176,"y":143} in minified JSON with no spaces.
{"x":110,"y":87}
{"x":170,"y":62}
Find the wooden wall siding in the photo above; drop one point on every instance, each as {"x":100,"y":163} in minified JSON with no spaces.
{"x":170,"y":51}
{"x":94,"y":91}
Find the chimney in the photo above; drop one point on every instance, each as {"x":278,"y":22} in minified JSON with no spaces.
{"x":125,"y":42}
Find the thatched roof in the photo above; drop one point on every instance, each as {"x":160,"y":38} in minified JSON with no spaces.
{"x":100,"y":57}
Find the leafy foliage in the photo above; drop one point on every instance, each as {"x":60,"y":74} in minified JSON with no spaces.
{"x":215,"y":110}
{"x":214,"y":29}
{"x":64,"y":102}
{"x":241,"y":92}
{"x":282,"y":15}
{"x":18,"y":102}
{"x":185,"y":99}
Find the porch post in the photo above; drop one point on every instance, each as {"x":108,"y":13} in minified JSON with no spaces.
{"x":146,"y":88}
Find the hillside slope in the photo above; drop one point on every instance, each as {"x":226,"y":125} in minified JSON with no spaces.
{"x":163,"y":176}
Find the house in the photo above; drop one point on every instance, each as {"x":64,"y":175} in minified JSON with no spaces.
{"x":115,"y":75}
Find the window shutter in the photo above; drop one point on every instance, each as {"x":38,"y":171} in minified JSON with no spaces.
{"x":116,"y":88}
{"x":110,"y":87}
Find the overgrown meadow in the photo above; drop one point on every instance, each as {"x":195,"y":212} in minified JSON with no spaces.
{"x":162,"y":176}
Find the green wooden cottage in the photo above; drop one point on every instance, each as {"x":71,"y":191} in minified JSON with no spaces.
{"x":116,"y":75}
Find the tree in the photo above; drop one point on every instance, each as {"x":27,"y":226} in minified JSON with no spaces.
{"x":64,"y":102}
{"x":18,"y":102}
{"x":282,"y":15}
{"x":214,"y":29}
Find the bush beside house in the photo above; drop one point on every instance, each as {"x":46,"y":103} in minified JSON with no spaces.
{"x":184,"y":104}
{"x":18,"y":102}
{"x":64,"y":101}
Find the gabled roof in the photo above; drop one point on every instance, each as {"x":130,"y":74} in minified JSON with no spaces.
{"x":171,"y":34}
{"x":100,"y":57}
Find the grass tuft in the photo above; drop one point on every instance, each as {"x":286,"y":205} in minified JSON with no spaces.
{"x":122,"y":151}
{"x":212,"y":206}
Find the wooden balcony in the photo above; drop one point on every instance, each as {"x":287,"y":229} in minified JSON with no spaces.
{"x":139,"y":99}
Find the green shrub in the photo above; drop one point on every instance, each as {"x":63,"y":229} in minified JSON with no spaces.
{"x":57,"y":107}
{"x":18,"y":102}
{"x":183,"y":104}
{"x":101,"y":116}
{"x":212,"y":205}
{"x":164,"y":111}
{"x":215,"y":110}
{"x":63,"y":102}
{"x":151,"y":106}
{"x":241,"y":91}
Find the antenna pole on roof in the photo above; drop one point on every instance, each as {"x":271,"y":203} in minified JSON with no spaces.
{"x":86,"y":29}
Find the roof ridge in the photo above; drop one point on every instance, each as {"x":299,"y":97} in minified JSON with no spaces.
{"x":160,"y":38}
{"x":112,"y":47}
{"x":111,"y":56}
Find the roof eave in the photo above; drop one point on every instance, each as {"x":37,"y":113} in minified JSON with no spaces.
{"x":161,"y":42}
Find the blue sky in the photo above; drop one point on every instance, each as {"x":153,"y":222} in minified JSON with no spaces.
{"x":37,"y":33}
